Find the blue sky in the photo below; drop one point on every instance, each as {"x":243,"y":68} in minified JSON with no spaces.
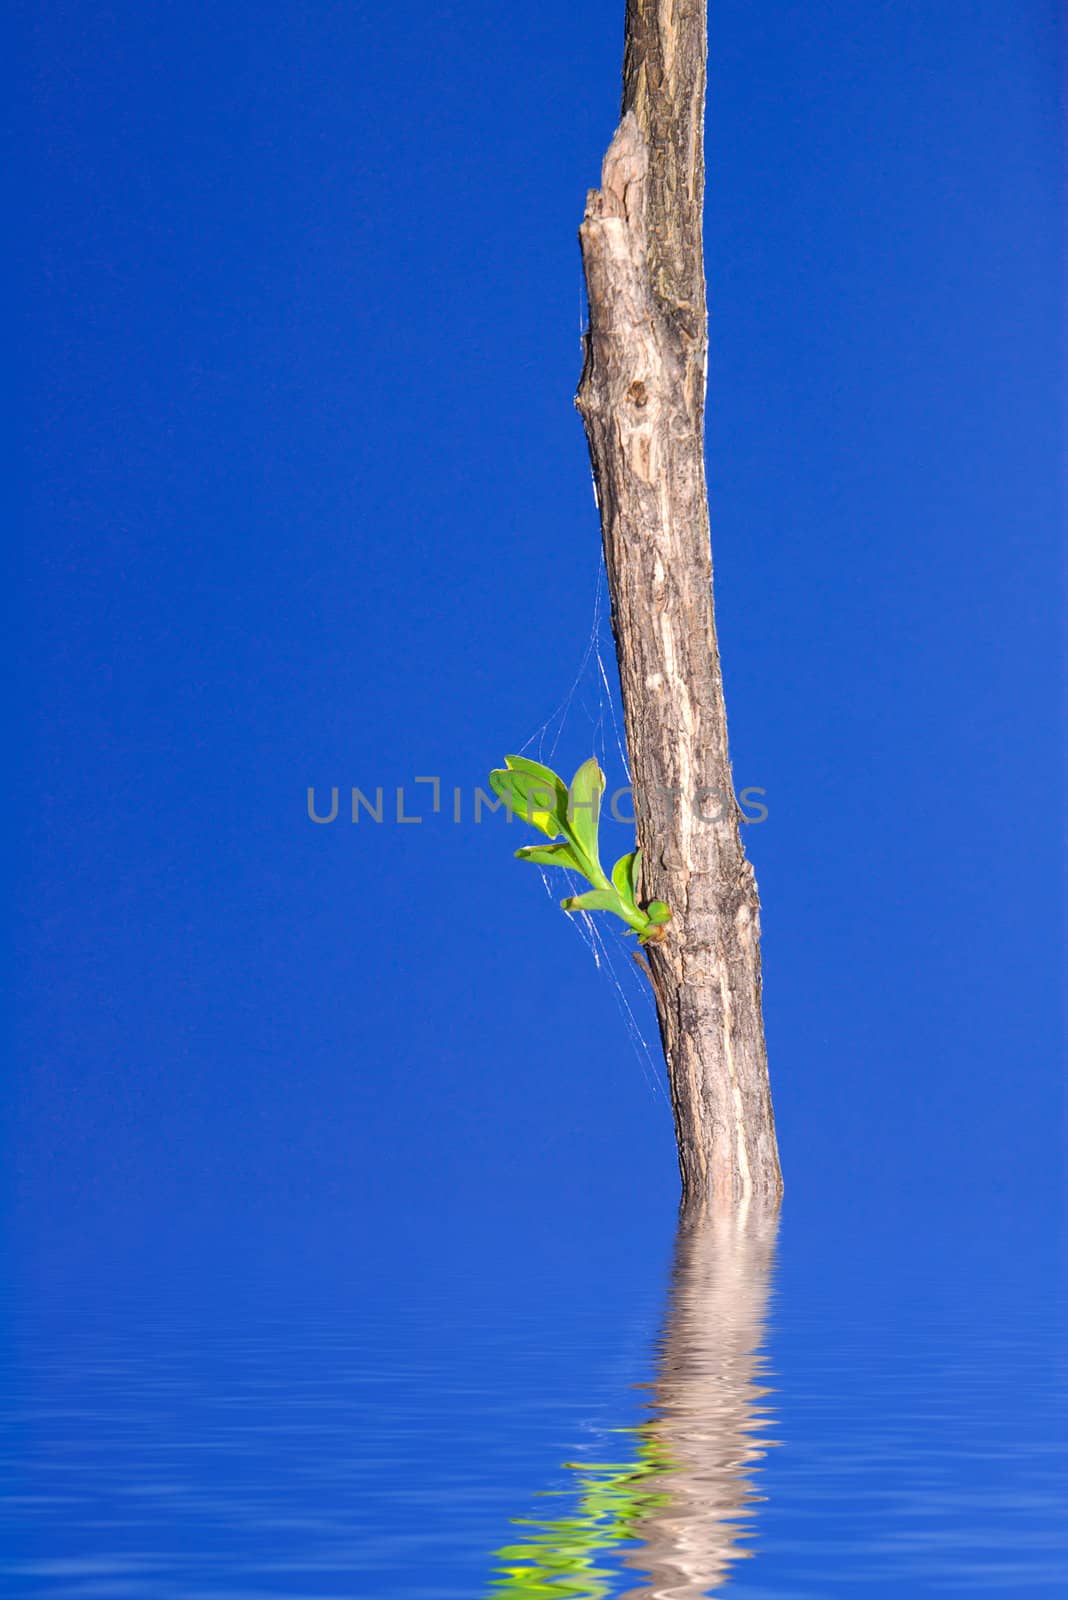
{"x":306,"y":502}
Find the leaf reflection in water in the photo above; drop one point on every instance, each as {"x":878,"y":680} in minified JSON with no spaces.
{"x":679,"y":1511}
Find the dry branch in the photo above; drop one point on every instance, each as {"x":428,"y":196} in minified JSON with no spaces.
{"x":642,"y":400}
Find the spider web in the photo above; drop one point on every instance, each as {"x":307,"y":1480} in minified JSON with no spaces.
{"x":593,"y":701}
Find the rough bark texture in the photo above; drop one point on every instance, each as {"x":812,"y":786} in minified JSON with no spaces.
{"x":642,"y":400}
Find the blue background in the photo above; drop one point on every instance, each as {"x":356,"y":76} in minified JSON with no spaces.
{"x":306,"y":502}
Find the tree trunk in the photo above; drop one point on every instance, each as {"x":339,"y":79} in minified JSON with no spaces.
{"x":642,"y":400}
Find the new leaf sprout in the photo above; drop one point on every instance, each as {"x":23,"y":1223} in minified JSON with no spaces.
{"x":540,"y":797}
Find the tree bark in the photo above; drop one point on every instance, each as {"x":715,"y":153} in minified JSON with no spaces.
{"x":642,"y":400}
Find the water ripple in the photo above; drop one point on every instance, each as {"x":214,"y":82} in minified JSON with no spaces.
{"x":734,"y":1439}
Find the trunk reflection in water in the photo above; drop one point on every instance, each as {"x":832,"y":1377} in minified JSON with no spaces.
{"x":677,"y":1511}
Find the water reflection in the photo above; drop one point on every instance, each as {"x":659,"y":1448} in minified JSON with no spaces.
{"x":678,"y":1508}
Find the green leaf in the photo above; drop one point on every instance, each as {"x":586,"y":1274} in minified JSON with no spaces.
{"x":594,"y":900}
{"x":538,"y":795}
{"x":584,"y":808}
{"x":624,"y":875}
{"x":559,"y":854}
{"x":531,"y":798}
{"x":534,"y":769}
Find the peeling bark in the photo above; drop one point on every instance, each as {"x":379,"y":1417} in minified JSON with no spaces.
{"x":642,"y":401}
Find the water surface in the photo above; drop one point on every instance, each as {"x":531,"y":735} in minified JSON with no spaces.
{"x":707,"y":1427}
